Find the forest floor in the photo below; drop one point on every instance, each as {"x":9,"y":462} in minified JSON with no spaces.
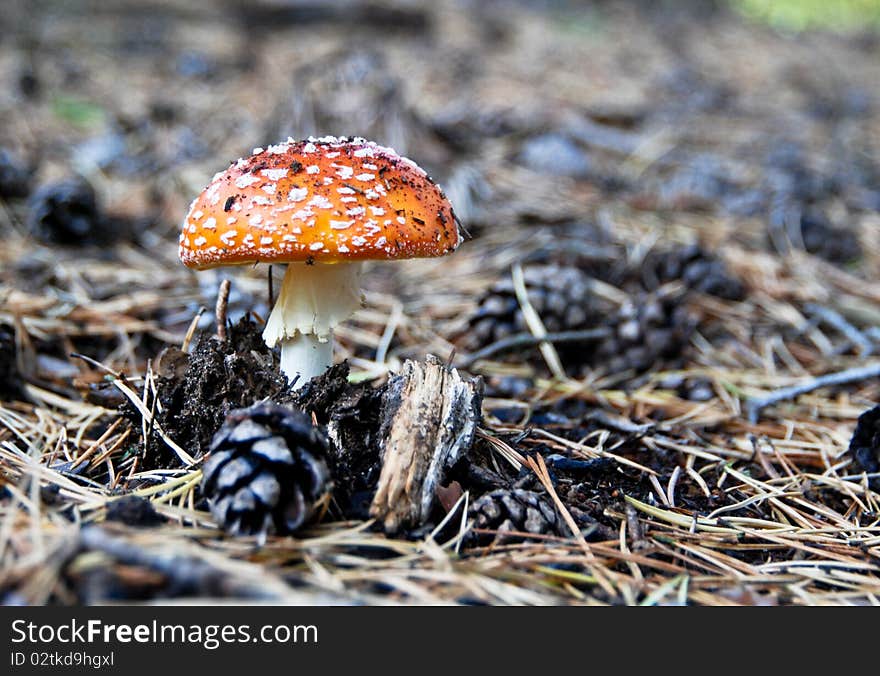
{"x":704,"y":190}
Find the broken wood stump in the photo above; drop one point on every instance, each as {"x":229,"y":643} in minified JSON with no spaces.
{"x":430,"y":417}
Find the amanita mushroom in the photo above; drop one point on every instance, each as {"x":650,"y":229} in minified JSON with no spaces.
{"x":322,"y":206}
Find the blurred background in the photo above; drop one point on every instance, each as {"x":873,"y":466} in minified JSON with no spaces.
{"x":563,"y":132}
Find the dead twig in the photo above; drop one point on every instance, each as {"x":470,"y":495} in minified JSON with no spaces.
{"x":220,"y":310}
{"x":853,"y":375}
{"x":834,"y":319}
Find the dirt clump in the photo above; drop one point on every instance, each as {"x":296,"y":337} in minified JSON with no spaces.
{"x":196,"y":390}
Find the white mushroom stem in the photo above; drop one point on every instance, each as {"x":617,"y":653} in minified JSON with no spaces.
{"x":306,"y":356}
{"x":313,"y":300}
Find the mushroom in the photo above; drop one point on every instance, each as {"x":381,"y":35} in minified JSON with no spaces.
{"x":323,"y":206}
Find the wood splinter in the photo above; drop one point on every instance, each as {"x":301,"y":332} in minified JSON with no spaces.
{"x":430,"y":416}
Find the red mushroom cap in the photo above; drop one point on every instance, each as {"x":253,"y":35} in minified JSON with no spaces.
{"x":321,"y":200}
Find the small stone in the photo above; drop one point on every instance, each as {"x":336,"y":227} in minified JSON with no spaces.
{"x":133,"y":510}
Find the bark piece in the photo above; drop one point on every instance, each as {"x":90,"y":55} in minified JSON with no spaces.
{"x":430,"y":415}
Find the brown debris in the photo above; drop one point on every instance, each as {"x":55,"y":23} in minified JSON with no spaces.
{"x":431,"y":414}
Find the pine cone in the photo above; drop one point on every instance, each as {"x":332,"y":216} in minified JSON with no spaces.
{"x":65,"y":212}
{"x":865,"y":444}
{"x":652,"y":328}
{"x":10,"y":378}
{"x":514,"y":510}
{"x":266,"y":471}
{"x":836,"y":245}
{"x":696,"y":269}
{"x":559,"y":294}
{"x":792,"y":223}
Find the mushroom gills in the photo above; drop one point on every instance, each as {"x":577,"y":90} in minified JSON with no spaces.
{"x":313,"y":300}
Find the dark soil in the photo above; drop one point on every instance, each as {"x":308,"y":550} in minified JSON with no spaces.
{"x":354,"y":414}
{"x":198,"y":389}
{"x":133,"y":511}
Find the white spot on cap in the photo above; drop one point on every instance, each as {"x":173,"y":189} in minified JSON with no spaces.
{"x":365,"y":177}
{"x":246,"y":180}
{"x":297,"y":194}
{"x":364,"y":152}
{"x":257,"y":150}
{"x":310,"y":147}
{"x":197,"y":215}
{"x":330,"y":140}
{"x":314,"y":246}
{"x":344,"y":172}
{"x":289,"y":238}
{"x":377,"y":211}
{"x":357,"y":240}
{"x":328,"y":180}
{"x":341,"y":225}
{"x":200,"y":241}
{"x":210,"y":223}
{"x":230,"y":220}
{"x":342,"y":248}
{"x":355,"y":211}
{"x":278,"y":149}
{"x":228,"y":237}
{"x":269,"y":188}
{"x":401,"y":220}
{"x":261,"y":201}
{"x":332,"y":156}
{"x":213,"y":194}
{"x":345,"y":190}
{"x":266,"y":241}
{"x":313,"y":169}
{"x":302,"y":214}
{"x":255,"y":220}
{"x":275,"y":174}
{"x":321,"y":202}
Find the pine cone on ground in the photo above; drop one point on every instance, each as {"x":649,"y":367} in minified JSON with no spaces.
{"x":559,"y":294}
{"x":865,"y":444}
{"x":836,"y":245}
{"x":654,"y":327}
{"x":648,"y":328}
{"x":65,"y":212}
{"x":518,"y":510}
{"x":266,"y":472}
{"x":10,"y":378}
{"x":695,"y":268}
